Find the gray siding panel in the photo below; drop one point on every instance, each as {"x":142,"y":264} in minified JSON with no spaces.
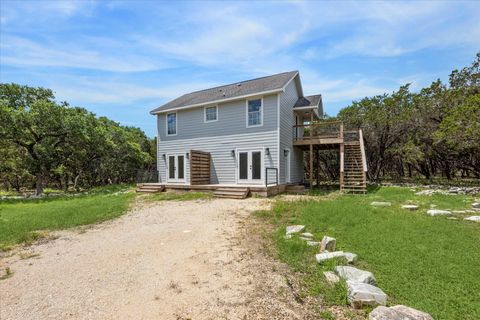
{"x":223,"y":168}
{"x":287,"y":120}
{"x":232,"y":119}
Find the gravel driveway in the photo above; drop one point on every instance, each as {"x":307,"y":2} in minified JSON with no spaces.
{"x":166,"y":260}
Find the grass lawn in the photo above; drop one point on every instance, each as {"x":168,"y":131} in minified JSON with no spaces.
{"x":28,"y":219}
{"x":179,"y":196}
{"x":429,"y":263}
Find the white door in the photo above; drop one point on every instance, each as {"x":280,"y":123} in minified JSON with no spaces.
{"x":250,"y":166}
{"x":176,"y":168}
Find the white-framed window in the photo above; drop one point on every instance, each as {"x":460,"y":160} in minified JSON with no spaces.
{"x":171,"y":124}
{"x":254,"y":112}
{"x":211,"y":114}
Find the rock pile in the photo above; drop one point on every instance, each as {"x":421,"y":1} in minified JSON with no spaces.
{"x":398,"y":312}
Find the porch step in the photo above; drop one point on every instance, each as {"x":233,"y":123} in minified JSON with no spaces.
{"x":232,"y":192}
{"x":295,"y":189}
{"x":150,"y":188}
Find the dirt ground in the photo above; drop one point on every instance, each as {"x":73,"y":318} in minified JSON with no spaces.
{"x":198,"y":259}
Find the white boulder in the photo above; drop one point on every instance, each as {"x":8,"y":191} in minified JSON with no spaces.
{"x":476,"y":205}
{"x":307,"y":235}
{"x":331,"y":277}
{"x":328,"y":244}
{"x":351,"y":257}
{"x":410,"y":207}
{"x":398,"y":312}
{"x":313,"y":243}
{"x":355,"y":275}
{"x":473,"y":218}
{"x":381,"y":204}
{"x":322,"y":257}
{"x":436,"y":212}
{"x":363,"y":294}
{"x":295,"y":229}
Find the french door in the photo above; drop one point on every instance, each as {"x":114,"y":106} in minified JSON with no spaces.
{"x":249,"y":166}
{"x":176,"y":168}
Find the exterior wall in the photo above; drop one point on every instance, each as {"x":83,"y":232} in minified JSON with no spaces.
{"x":287,"y":120}
{"x":229,"y":132}
{"x":223,"y":164}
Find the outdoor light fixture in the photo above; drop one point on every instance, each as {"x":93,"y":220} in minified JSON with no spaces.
{"x":267,"y":151}
{"x":187,"y":155}
{"x":233,"y":153}
{"x":285,"y":152}
{"x":163,"y":156}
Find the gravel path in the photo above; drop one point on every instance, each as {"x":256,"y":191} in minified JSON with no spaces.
{"x":168,"y":260}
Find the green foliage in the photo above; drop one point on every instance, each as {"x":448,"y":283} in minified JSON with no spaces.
{"x":418,"y":260}
{"x":28,"y":220}
{"x":45,"y":142}
{"x":432,"y":132}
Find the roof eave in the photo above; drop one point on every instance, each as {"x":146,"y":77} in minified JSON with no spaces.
{"x":155,"y":111}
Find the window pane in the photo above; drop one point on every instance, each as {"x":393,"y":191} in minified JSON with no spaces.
{"x":256,"y":165}
{"x":171,"y":167}
{"x":254,"y":112}
{"x":211,"y":114}
{"x":181,"y":169}
{"x":172,"y":123}
{"x":243,"y":164}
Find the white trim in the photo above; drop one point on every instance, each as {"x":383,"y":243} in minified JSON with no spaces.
{"x":249,"y":179}
{"x":286,"y":85}
{"x":176,"y":124}
{"x":205,"y":114}
{"x":278,"y":136}
{"x":175,"y":155}
{"x":219,"y":101}
{"x":288,"y":178}
{"x":261,"y":112}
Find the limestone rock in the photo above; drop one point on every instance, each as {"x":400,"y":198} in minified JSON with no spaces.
{"x":321,"y":257}
{"x":473,"y":218}
{"x":313,"y":243}
{"x":328,"y":244}
{"x":295,"y":229}
{"x":363,"y":294}
{"x":331,"y":277}
{"x":476,"y":205}
{"x":351,"y":257}
{"x":380,"y":204}
{"x":384,"y":313}
{"x":436,"y":212}
{"x":410,"y":207}
{"x":355,"y":275}
{"x":412,"y":313}
{"x":307,"y":235}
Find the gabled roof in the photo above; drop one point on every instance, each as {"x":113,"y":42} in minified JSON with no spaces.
{"x":308,"y":101}
{"x":264,"y":85}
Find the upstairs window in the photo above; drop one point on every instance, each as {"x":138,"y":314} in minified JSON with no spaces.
{"x":171,"y":124}
{"x":254,"y":112}
{"x":211,"y":114}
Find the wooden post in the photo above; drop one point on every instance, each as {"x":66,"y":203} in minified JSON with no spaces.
{"x":311,"y":149}
{"x":317,"y":165}
{"x":341,"y":165}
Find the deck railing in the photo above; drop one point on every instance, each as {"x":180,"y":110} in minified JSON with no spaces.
{"x":327,"y":129}
{"x":266,"y":176}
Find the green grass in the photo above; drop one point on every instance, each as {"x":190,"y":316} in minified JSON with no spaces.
{"x":178,"y":196}
{"x":429,"y":263}
{"x":27,"y":220}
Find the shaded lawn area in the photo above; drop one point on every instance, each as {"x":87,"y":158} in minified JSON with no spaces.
{"x":429,"y":263}
{"x":26,"y":220}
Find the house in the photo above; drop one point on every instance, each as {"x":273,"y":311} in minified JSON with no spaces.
{"x":250,"y":135}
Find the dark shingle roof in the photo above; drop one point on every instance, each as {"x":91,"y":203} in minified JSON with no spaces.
{"x":249,"y":87}
{"x":308,"y":101}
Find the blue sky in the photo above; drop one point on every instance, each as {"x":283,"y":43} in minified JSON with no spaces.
{"x":121,"y":59}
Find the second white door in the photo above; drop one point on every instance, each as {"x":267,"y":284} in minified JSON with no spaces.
{"x":250,"y":166}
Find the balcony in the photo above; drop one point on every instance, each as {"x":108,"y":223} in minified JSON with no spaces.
{"x":321,"y":133}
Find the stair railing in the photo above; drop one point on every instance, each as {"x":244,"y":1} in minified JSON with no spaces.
{"x":362,"y":150}
{"x":266,"y":175}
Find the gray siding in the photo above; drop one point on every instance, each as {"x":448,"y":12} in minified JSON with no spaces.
{"x":287,"y":120}
{"x":232,"y":119}
{"x":223,"y":167}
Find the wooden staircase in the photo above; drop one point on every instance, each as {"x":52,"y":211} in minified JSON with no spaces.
{"x":354,"y":175}
{"x":232,"y":192}
{"x":150,"y":187}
